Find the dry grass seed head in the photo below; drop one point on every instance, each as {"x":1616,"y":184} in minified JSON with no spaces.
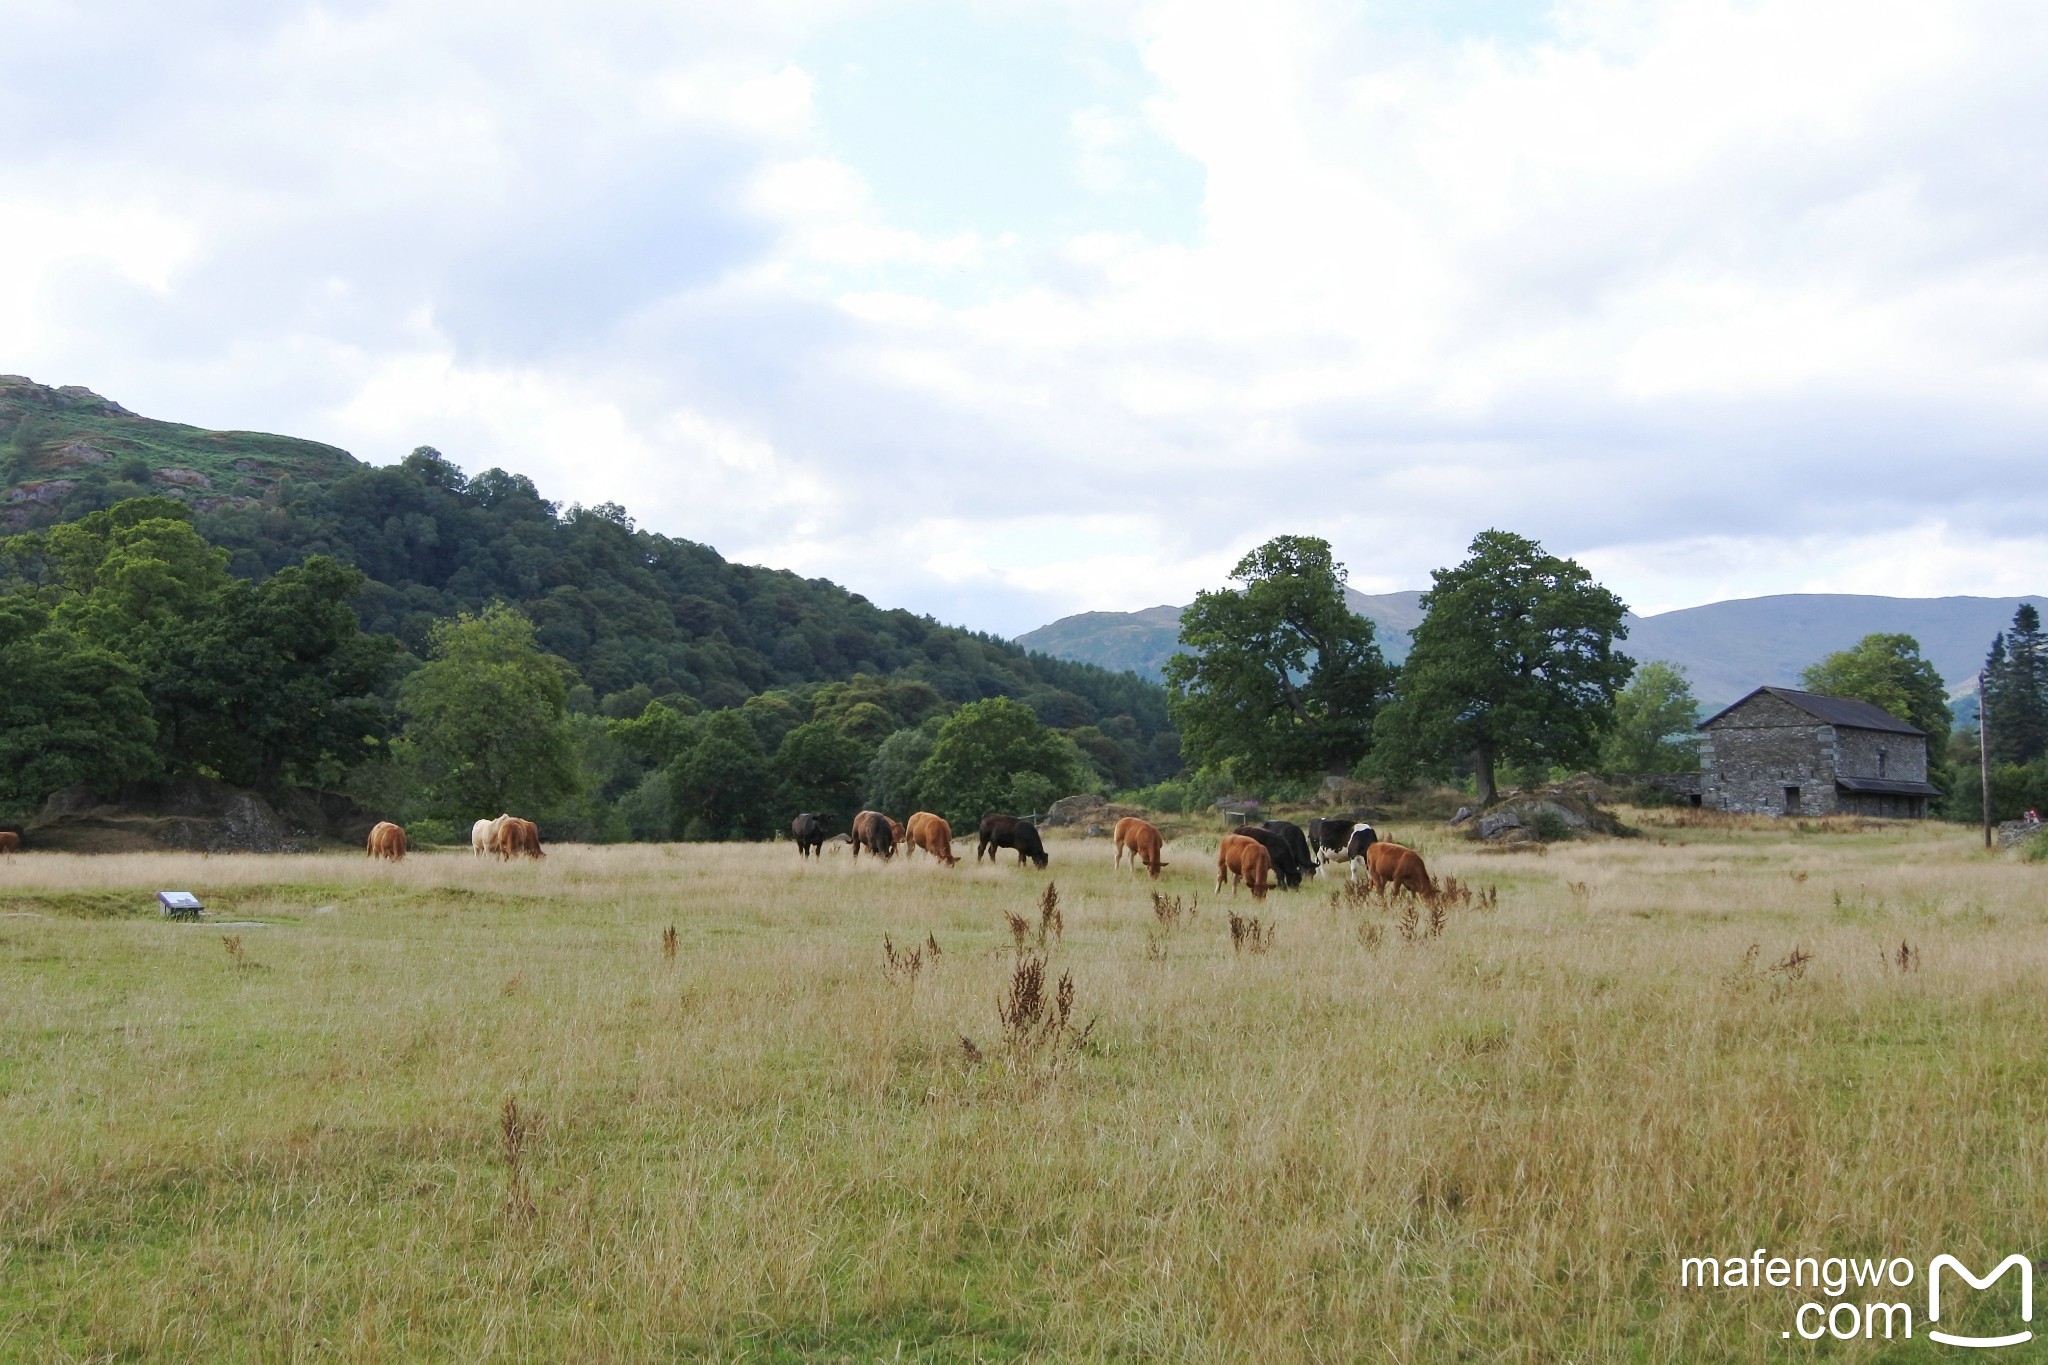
{"x":668,"y":943}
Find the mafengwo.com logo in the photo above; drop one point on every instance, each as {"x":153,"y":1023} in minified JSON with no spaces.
{"x":1862,"y":1298}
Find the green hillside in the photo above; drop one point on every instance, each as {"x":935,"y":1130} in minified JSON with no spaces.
{"x":67,"y":451}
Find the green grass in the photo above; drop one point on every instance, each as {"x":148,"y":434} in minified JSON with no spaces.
{"x":1496,"y":1144}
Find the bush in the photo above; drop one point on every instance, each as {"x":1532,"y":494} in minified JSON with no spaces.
{"x":440,"y":833}
{"x":2035,"y":850}
{"x":1550,"y":827}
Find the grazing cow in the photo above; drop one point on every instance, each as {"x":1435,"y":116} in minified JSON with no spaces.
{"x":1007,"y":831}
{"x":898,"y":832}
{"x":1286,"y":871}
{"x":483,"y":837}
{"x":1362,"y":838}
{"x":1141,"y":838}
{"x":1387,"y":864}
{"x":1297,"y":844}
{"x":516,"y":838}
{"x":386,"y":841}
{"x":809,"y":832}
{"x":874,"y":832}
{"x":10,"y":842}
{"x":932,"y":834}
{"x":1329,"y":836}
{"x":1239,"y":859}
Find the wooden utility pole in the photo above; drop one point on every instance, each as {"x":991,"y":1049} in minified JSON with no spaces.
{"x":1984,"y":754}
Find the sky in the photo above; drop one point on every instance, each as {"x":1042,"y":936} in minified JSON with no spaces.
{"x":1001,"y":310}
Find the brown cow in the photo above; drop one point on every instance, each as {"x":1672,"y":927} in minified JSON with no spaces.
{"x":386,"y":841}
{"x":515,"y":837}
{"x":1242,"y":859}
{"x":874,"y":832}
{"x":10,"y":842}
{"x":1392,"y":863}
{"x":932,"y":834}
{"x":1141,"y":837}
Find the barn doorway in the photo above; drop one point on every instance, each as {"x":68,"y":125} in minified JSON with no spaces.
{"x":1791,"y":800}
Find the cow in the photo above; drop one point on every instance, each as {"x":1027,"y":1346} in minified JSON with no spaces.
{"x":10,"y":842}
{"x":932,"y":834}
{"x":874,"y":832}
{"x":483,"y":836}
{"x":1391,"y":864}
{"x":1007,"y":831}
{"x":809,"y":832}
{"x":898,"y":832}
{"x":1297,"y":844}
{"x":1362,"y":838}
{"x":1141,"y":838}
{"x":516,"y":837}
{"x":1329,"y":836}
{"x":1286,"y":871}
{"x":1239,"y":859}
{"x":386,"y":841}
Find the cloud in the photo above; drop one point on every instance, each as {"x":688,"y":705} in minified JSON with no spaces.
{"x":1022,"y":309}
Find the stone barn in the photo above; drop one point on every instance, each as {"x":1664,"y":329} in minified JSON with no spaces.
{"x":1781,"y":752}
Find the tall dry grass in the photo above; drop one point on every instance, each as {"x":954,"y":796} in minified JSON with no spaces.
{"x":460,"y":1109}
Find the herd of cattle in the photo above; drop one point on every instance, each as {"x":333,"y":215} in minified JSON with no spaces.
{"x":508,"y":836}
{"x":1276,"y":853}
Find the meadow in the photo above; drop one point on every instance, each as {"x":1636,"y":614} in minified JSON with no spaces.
{"x":452,"y":1109}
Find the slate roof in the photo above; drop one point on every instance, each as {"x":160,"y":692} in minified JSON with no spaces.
{"x":1851,"y":715}
{"x":1886,"y":786}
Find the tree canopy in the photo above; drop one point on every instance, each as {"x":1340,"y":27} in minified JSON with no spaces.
{"x":2016,"y":690}
{"x":1514,"y":663}
{"x":1278,"y":678}
{"x":995,"y":755}
{"x":1654,"y":720}
{"x":1887,"y":671}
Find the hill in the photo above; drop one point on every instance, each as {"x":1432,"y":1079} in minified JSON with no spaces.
{"x":636,"y":613}
{"x":1727,"y":648}
{"x":67,"y":451}
{"x":1142,"y":641}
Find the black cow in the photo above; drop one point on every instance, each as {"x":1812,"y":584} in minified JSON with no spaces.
{"x":1286,"y":867}
{"x":871,"y":831}
{"x":1007,"y":831}
{"x":1362,"y":838}
{"x":809,"y":832}
{"x":1329,"y":836}
{"x":1297,"y":844}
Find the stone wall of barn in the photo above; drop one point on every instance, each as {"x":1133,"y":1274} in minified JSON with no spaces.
{"x":1856,"y":755}
{"x":1750,"y":756}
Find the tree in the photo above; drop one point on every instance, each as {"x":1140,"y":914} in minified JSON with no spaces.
{"x":1654,"y":720}
{"x":722,"y":787}
{"x":1514,"y":663}
{"x":486,"y":716}
{"x":1279,"y":678}
{"x":2016,"y":690}
{"x":995,"y":755}
{"x":70,"y":713}
{"x":820,"y":768}
{"x":1887,"y":671}
{"x":893,"y":773}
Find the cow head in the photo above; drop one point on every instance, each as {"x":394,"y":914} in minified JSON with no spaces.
{"x":1362,"y":838}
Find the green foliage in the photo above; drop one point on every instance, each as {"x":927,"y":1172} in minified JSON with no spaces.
{"x":1514,"y":664}
{"x":1550,"y":827}
{"x":2015,"y":789}
{"x":820,"y":768}
{"x":2016,"y":690}
{"x":70,"y":712}
{"x":1279,"y":678}
{"x":1887,"y":671}
{"x":895,"y":773}
{"x":486,"y":718}
{"x":723,"y":787}
{"x":1654,"y":720}
{"x":2035,"y":850}
{"x":995,"y":755}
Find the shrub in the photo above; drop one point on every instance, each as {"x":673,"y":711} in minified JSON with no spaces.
{"x":1550,"y":827}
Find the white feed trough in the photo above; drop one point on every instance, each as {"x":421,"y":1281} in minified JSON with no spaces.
{"x":179,"y":905}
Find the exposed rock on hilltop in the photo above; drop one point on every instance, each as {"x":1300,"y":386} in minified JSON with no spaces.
{"x":197,"y":816}
{"x":65,"y":451}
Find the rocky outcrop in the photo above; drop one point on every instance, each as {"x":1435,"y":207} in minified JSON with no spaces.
{"x":197,"y":816}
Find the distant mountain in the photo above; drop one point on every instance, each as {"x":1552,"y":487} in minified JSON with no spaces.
{"x":1726,"y":648}
{"x":67,"y":451}
{"x":1142,"y":641}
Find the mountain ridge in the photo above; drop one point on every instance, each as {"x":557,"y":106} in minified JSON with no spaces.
{"x":1727,"y":648}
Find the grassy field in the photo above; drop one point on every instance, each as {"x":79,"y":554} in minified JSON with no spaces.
{"x":462,"y":1111}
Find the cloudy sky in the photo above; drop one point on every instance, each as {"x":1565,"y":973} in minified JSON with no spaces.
{"x":1005,"y":310}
